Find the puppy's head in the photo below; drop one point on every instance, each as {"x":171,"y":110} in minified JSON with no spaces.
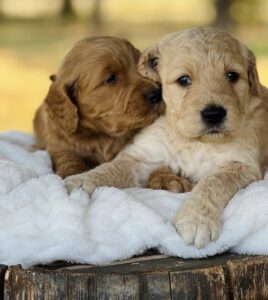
{"x":98,"y":88}
{"x":209,"y":80}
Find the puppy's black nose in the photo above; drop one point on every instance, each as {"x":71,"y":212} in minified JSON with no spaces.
{"x":213,"y":115}
{"x":154,"y":95}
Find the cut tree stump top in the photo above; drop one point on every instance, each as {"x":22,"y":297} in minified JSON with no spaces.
{"x":226,"y":276}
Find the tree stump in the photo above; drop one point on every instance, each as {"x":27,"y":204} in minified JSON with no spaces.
{"x":2,"y":278}
{"x":221,"y":277}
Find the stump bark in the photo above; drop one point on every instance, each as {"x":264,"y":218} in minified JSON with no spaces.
{"x":225,"y":276}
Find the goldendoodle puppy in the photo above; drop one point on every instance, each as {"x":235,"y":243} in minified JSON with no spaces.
{"x":95,"y":105}
{"x":214,"y":130}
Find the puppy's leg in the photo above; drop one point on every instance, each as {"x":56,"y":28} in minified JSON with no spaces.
{"x":120,"y":173}
{"x":198,"y":221}
{"x":68,"y":163}
{"x":130,"y":168}
{"x":116,"y":173}
{"x":164,"y":179}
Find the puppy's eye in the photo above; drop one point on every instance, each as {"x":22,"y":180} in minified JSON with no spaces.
{"x":232,"y":76}
{"x":111,"y":79}
{"x":153,"y":62}
{"x":184,"y":80}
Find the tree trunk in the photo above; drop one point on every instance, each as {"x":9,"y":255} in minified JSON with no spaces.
{"x":96,"y":14}
{"x":1,"y":11}
{"x":223,"y":19}
{"x":67,"y":9}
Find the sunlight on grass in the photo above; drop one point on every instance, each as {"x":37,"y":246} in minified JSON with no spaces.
{"x":22,"y":89}
{"x":151,"y":10}
{"x":262,"y":65}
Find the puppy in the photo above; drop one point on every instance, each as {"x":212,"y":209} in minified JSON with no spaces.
{"x":214,"y":130}
{"x":95,"y":105}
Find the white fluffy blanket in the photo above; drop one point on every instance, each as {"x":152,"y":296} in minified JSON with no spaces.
{"x":40,"y":222}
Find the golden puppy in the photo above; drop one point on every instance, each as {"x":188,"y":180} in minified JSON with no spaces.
{"x":214,"y":130}
{"x":95,"y":105}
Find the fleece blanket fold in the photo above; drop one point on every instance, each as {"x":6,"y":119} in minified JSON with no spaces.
{"x":40,"y":222}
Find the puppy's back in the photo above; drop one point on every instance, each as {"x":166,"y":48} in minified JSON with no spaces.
{"x":40,"y":127}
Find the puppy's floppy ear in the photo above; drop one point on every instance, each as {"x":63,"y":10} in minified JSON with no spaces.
{"x":253,"y":78}
{"x":61,"y":106}
{"x":148,"y":63}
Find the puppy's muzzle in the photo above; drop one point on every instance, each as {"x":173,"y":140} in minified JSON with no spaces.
{"x":154,"y":95}
{"x":213,"y":115}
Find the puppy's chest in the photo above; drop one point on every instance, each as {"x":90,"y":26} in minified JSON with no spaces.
{"x":195,"y":160}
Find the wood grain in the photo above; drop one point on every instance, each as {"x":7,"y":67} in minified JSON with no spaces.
{"x":249,"y":278}
{"x":3,"y":269}
{"x":221,"y":277}
{"x":207,"y":283}
{"x":155,"y":285}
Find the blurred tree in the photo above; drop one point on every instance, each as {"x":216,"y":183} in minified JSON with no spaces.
{"x":67,"y":9}
{"x":233,"y":12}
{"x":1,"y":10}
{"x":96,"y":13}
{"x":246,"y":11}
{"x":223,"y":14}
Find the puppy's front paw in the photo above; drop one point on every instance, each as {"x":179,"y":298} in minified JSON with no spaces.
{"x":164,"y":179}
{"x":79,"y":181}
{"x":195,"y":227}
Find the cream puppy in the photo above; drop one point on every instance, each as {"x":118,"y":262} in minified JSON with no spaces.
{"x":214,"y":130}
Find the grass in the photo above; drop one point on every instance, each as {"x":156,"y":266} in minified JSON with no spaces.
{"x":32,"y":50}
